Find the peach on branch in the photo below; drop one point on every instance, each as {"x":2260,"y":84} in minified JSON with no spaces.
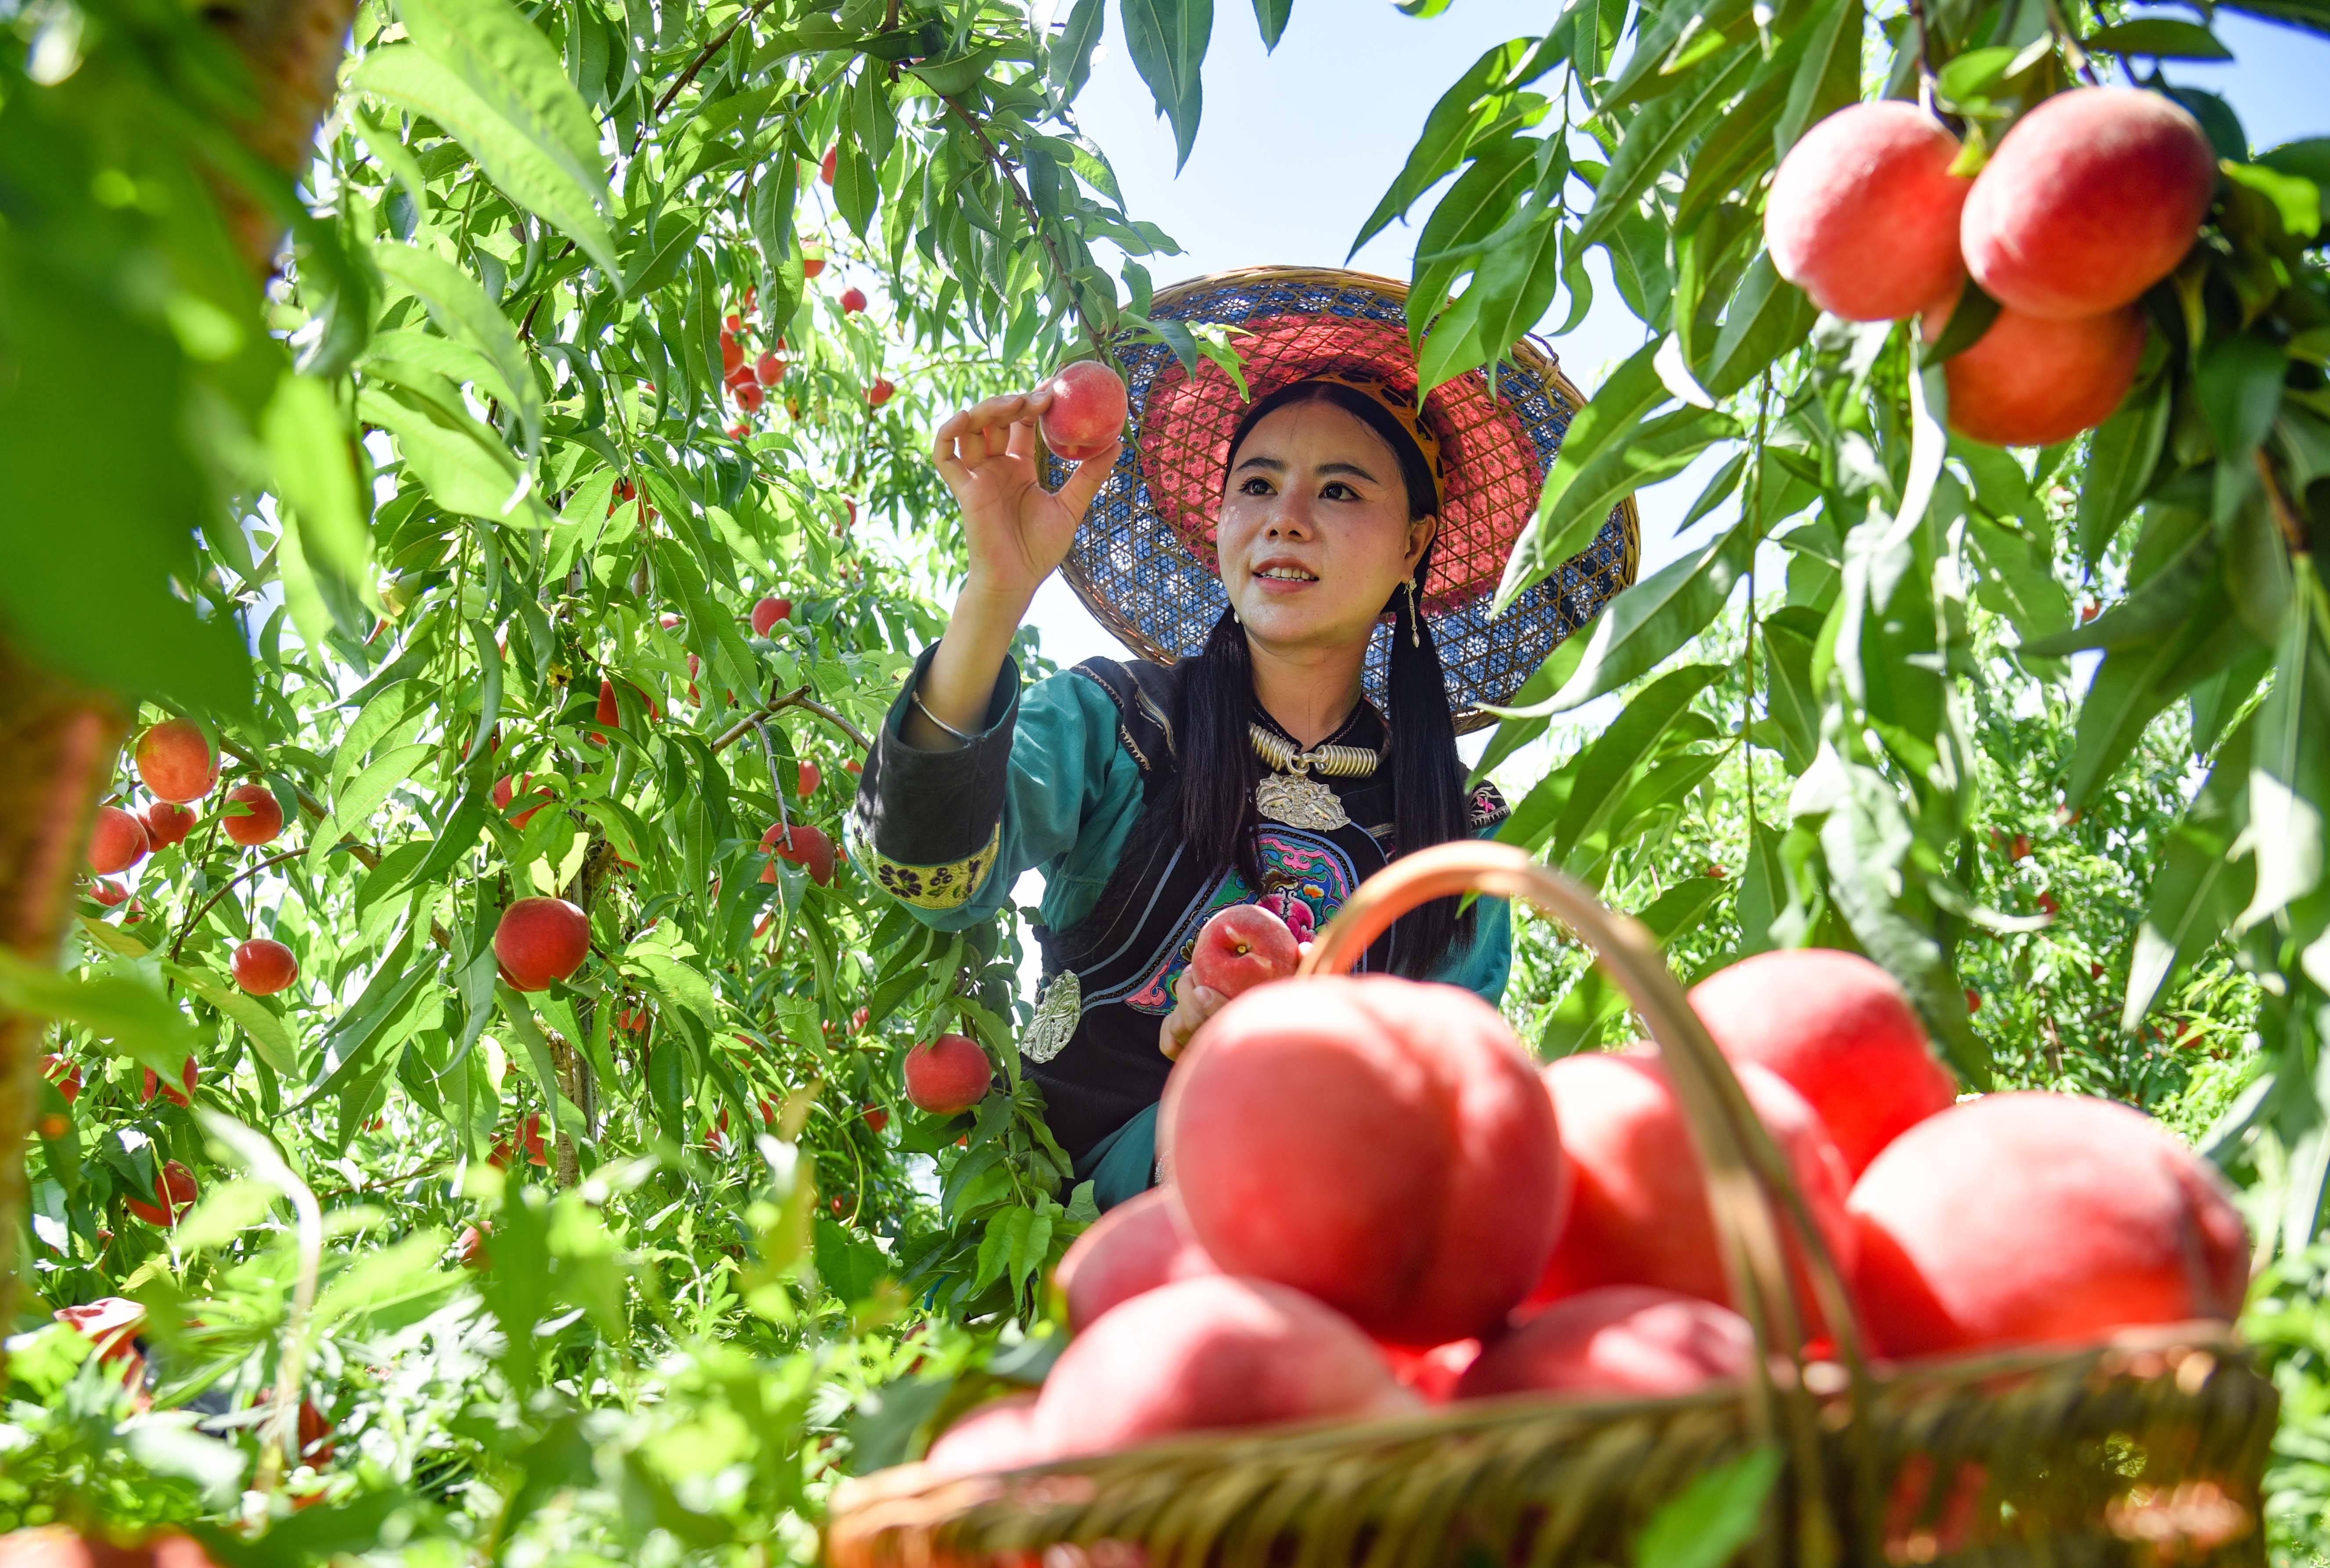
{"x":259,"y":820}
{"x":1863,"y":211}
{"x":263,"y":967}
{"x":177,"y":762}
{"x":807,"y":847}
{"x":541,"y":940}
{"x":768,"y":611}
{"x":175,"y":1191}
{"x":2092,"y":197}
{"x":947,"y":1075}
{"x":117,"y":841}
{"x":2030,"y":381}
{"x":166,"y":823}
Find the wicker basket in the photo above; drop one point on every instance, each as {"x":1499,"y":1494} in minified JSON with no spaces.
{"x":2146,"y":1449}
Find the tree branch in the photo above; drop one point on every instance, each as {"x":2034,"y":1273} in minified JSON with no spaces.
{"x":797,"y":698}
{"x":226,"y":887}
{"x":2284,"y":516}
{"x":702,"y":58}
{"x":364,"y":853}
{"x":1028,"y":210}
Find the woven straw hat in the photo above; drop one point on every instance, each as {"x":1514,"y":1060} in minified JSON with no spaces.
{"x":1144,"y":562}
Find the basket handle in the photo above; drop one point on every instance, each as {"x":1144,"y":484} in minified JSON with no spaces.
{"x":1751,"y":1191}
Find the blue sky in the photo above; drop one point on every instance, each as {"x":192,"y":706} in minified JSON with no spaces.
{"x":1296,"y":147}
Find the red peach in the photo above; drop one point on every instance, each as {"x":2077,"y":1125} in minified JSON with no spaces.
{"x":108,"y":892}
{"x":731,"y":355}
{"x":947,"y":1075}
{"x":65,"y":1074}
{"x":875,"y":1119}
{"x":526,"y":1138}
{"x":2030,"y":382}
{"x":999,"y":1435}
{"x":263,"y":967}
{"x":879,"y":393}
{"x":808,"y":778}
{"x":767,"y":612}
{"x":166,"y":823}
{"x":1209,"y":1353}
{"x":2092,"y":198}
{"x":832,"y":164}
{"x":261,"y":819}
{"x":175,"y":1191}
{"x":1132,"y":1249}
{"x":1839,"y":1031}
{"x":1619,"y":1341}
{"x":177,"y":762}
{"x":1088,"y":411}
{"x":1863,"y":213}
{"x":1378,"y":1143}
{"x":117,"y":841}
{"x":768,"y":370}
{"x":852,"y":301}
{"x":1641,"y":1215}
{"x":506,"y":789}
{"x":2030,"y":1218}
{"x":111,"y":1324}
{"x":470,"y":1249}
{"x":1433,"y":1375}
{"x":1241,"y":947}
{"x":541,"y":940}
{"x":811,"y":265}
{"x":748,"y":395}
{"x":154,"y":1084}
{"x":807,"y":847}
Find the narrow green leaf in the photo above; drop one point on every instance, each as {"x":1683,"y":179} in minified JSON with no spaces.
{"x":2121,"y":456}
{"x":309,"y":452}
{"x":1068,"y":59}
{"x":1658,"y":448}
{"x":2289,"y":774}
{"x":2162,"y":37}
{"x":1657,"y":616}
{"x":1611,"y":758}
{"x":2240,"y":381}
{"x":1661,"y":132}
{"x":1827,"y":78}
{"x":1608,"y":418}
{"x":1464,"y":111}
{"x":457,"y":303}
{"x":1705,"y":1524}
{"x":1270,"y":15}
{"x":1167,"y":40}
{"x":270,"y":1034}
{"x":1767,"y":317}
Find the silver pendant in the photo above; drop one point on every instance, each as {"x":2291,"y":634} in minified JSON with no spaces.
{"x":1057,"y":1011}
{"x":1298,"y":800}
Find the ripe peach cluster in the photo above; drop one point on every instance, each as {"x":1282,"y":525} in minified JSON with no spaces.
{"x":1373,"y":1200}
{"x":2091,"y":198}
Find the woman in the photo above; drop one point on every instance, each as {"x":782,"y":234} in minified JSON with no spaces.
{"x":1340,"y":530}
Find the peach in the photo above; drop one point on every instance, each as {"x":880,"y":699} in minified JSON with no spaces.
{"x":1088,"y":411}
{"x":806,"y":778}
{"x":541,"y":940}
{"x":767,"y":612}
{"x":768,"y":370}
{"x":108,"y":892}
{"x":1209,"y":1353}
{"x":1132,"y":1249}
{"x":2030,"y":382}
{"x":807,"y":847}
{"x":177,"y":762}
{"x":506,"y":789}
{"x":525,"y":1139}
{"x":1863,"y":211}
{"x":1240,"y":948}
{"x":1839,"y":1031}
{"x":155,"y":1083}
{"x":1433,"y":1374}
{"x":469,"y":1248}
{"x":947,"y":1075}
{"x":2092,"y":198}
{"x":1618,"y":1341}
{"x":261,"y":819}
{"x":1640,"y":1214}
{"x":166,"y":823}
{"x":175,"y":1191}
{"x":117,"y":841}
{"x":111,"y":1324}
{"x":2032,"y":1218}
{"x":57,"y":1546}
{"x":999,"y":1435}
{"x":880,"y":392}
{"x":852,"y":301}
{"x":1379,"y":1143}
{"x":263,"y":967}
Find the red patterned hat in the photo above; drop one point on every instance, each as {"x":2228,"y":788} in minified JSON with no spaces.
{"x":1144,"y":560}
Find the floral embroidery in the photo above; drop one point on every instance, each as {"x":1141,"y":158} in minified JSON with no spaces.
{"x":948,"y":886}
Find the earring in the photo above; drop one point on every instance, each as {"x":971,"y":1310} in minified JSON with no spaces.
{"x":1415,"y":617}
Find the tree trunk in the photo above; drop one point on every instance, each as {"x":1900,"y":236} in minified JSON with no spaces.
{"x":57,"y":747}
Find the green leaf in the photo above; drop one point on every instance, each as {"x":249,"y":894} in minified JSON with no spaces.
{"x":2240,"y":381}
{"x":1658,"y":615}
{"x":2121,"y":456}
{"x":1477,"y":206}
{"x":1789,"y":638}
{"x":1767,"y":317}
{"x":2290,"y":772}
{"x":2197,"y":890}
{"x":1472,"y":104}
{"x":1612,"y":758}
{"x":2297,"y":198}
{"x":2018,"y":582}
{"x":1716,"y":1514}
{"x":270,"y":1033}
{"x":1270,"y":15}
{"x":2162,"y":37}
{"x":1658,"y":450}
{"x":1069,"y":58}
{"x":482,"y":71}
{"x":1661,"y":132}
{"x":1827,"y":78}
{"x":1609,"y":418}
{"x":314,"y":470}
{"x":457,"y":303}
{"x":1167,"y":40}
{"x":113,"y":1003}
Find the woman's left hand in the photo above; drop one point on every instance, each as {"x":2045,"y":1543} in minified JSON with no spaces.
{"x":1193,"y":1004}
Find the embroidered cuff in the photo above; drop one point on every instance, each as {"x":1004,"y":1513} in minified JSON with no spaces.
{"x":931,"y":822}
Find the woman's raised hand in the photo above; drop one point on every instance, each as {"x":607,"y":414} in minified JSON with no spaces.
{"x":1016,"y":530}
{"x":1193,"y":1004}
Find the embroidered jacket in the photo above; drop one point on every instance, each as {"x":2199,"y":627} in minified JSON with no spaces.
{"x":1062,"y":782}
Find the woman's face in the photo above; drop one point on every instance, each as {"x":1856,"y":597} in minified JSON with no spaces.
{"x":1314,"y":531}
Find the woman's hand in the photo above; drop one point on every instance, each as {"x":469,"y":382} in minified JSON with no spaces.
{"x":1193,"y":1004}
{"x":1016,"y":530}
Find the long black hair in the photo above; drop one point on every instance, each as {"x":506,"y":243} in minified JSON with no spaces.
{"x":1219,"y":769}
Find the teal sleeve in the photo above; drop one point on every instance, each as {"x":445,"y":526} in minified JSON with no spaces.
{"x":1484,"y":965}
{"x":1044,"y":786}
